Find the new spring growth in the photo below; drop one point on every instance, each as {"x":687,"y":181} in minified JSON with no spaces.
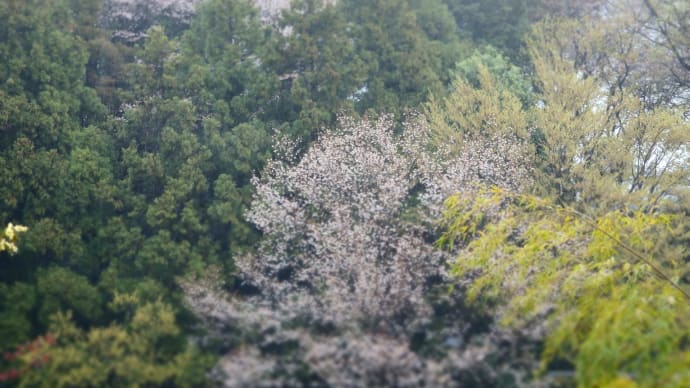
{"x":9,"y":237}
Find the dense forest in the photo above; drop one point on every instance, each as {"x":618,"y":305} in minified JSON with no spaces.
{"x":345,"y":193}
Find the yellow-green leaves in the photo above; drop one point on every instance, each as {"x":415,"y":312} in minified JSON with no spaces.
{"x":9,"y":237}
{"x":595,"y":282}
{"x":603,"y":143}
{"x":145,"y":351}
{"x":489,"y":110}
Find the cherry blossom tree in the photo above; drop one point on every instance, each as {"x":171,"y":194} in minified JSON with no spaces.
{"x":349,"y":228}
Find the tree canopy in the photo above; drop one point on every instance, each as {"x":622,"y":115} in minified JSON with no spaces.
{"x":252,"y":192}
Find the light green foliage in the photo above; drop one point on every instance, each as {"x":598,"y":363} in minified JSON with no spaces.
{"x":670,"y":23}
{"x":145,"y":351}
{"x":599,"y":277}
{"x":603,"y":147}
{"x":591,"y":146}
{"x":471,"y":110}
{"x":592,"y":284}
{"x":507,"y":75}
{"x":641,"y":45}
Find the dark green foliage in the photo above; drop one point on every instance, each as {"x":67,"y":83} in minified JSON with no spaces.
{"x":42,"y":93}
{"x":59,"y":289}
{"x":16,"y":301}
{"x":405,"y":58}
{"x":500,"y":23}
{"x":220,"y":69}
{"x":318,"y":65}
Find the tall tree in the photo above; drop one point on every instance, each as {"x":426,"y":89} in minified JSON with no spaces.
{"x":43,"y":94}
{"x":406,"y":59}
{"x":605,"y":144}
{"x":604,"y":248}
{"x":318,"y":65}
{"x":347,"y":257}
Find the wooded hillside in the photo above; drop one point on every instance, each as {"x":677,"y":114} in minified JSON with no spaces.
{"x":349,"y":193}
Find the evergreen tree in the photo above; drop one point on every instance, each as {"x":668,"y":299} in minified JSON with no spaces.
{"x":319,"y":67}
{"x":404,"y":64}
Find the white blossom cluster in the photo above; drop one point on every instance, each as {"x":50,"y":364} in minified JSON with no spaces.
{"x":348,"y":245}
{"x":498,"y":160}
{"x":339,"y":361}
{"x":371,"y":361}
{"x":335,"y":245}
